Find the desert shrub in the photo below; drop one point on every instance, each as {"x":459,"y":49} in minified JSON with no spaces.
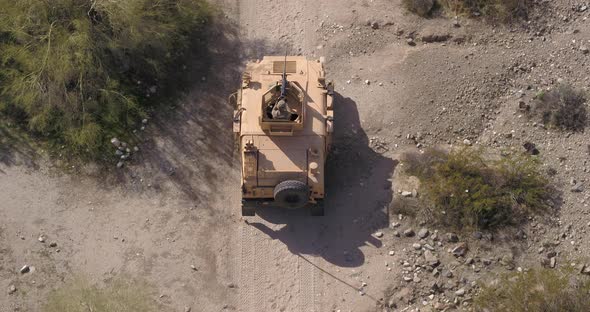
{"x":462,"y":189}
{"x":503,"y":10}
{"x":544,"y":290}
{"x":77,"y":72}
{"x":419,"y":7}
{"x":120,"y":295}
{"x":563,"y":107}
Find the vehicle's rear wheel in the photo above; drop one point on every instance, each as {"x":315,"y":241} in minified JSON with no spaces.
{"x":317,"y":209}
{"x":291,"y":194}
{"x":248,"y":208}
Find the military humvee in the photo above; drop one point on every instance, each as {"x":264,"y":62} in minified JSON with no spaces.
{"x":283,"y":121}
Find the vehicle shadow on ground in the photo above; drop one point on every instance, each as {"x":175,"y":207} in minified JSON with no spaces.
{"x":358,"y":192}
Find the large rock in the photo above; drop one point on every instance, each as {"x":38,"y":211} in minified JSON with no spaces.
{"x":460,"y":250}
{"x":116,"y":142}
{"x":423,"y":233}
{"x":409,"y":233}
{"x":431,"y":259}
{"x":25,"y":269}
{"x":431,"y":37}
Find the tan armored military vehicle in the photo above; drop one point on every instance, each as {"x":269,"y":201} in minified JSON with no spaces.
{"x":283,"y":121}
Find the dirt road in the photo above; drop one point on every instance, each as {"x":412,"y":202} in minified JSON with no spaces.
{"x":171,"y":217}
{"x":289,"y":261}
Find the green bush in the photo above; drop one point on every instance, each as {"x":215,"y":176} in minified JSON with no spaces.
{"x":537,"y":290}
{"x":503,"y":10}
{"x":78,"y":72}
{"x":563,"y":107}
{"x":118,"y":296}
{"x":462,"y":189}
{"x":419,"y":7}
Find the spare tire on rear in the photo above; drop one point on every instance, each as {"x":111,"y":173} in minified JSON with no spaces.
{"x":291,"y":194}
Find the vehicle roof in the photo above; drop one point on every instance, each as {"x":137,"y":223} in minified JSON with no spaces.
{"x":265,"y":74}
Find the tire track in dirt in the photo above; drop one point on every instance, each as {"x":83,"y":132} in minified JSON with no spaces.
{"x":272,"y":278}
{"x":247,"y":264}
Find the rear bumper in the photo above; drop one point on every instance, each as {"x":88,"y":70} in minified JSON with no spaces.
{"x":269,"y":202}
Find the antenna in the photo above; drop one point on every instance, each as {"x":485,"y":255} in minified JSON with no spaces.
{"x":284,"y":82}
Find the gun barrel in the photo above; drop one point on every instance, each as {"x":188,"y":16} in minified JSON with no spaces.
{"x":284,"y":82}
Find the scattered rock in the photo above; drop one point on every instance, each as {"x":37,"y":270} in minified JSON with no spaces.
{"x":467,"y":142}
{"x":456,"y":23}
{"x":435,"y":37}
{"x":379,"y":234}
{"x":460,"y":292}
{"x":41,"y":239}
{"x":431,"y":259}
{"x":531,"y":148}
{"x":11,"y":289}
{"x":460,"y":250}
{"x":53,"y":244}
{"x":417,"y":246}
{"x":427,"y":246}
{"x":25,"y":269}
{"x":469,"y":261}
{"x":584,"y":49}
{"x":578,"y":188}
{"x":194,"y":268}
{"x":144,"y":121}
{"x":374,"y":25}
{"x":409,"y":233}
{"x":423,"y":233}
{"x":187,"y":309}
{"x":120,"y":164}
{"x":586,"y":270}
{"x":116,"y":142}
{"x":410,"y":42}
{"x":552,"y":262}
{"x":391,"y":252}
{"x":452,"y":238}
{"x":406,"y":194}
{"x":486,"y":261}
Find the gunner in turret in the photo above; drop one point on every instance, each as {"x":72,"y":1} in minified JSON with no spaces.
{"x":281,"y":110}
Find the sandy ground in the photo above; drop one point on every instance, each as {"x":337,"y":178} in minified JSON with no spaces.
{"x":177,"y":205}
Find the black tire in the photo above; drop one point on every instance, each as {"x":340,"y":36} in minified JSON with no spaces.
{"x":317,"y":210}
{"x":248,"y":209}
{"x":291,"y":194}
